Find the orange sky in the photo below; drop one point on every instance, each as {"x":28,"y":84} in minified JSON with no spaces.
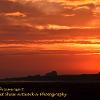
{"x":65,"y":27}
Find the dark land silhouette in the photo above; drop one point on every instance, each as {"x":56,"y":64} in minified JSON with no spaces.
{"x":78,"y":87}
{"x":53,"y":76}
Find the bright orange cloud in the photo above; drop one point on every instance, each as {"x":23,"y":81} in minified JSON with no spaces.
{"x":16,"y":14}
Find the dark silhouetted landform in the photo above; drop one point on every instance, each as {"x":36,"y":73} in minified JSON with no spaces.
{"x":53,"y":76}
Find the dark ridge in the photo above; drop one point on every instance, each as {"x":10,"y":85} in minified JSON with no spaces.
{"x":53,"y":76}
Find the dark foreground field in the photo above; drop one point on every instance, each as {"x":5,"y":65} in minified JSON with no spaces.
{"x":74,"y":91}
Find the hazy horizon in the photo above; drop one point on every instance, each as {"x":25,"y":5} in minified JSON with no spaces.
{"x":30,"y":64}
